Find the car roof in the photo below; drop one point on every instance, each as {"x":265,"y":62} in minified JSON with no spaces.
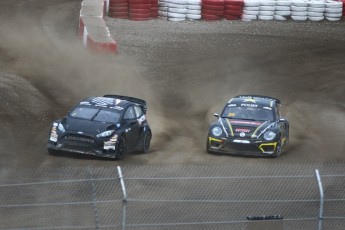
{"x":105,"y":102}
{"x":253,"y":100}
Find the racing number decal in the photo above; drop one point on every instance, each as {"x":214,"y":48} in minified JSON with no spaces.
{"x":141,"y":119}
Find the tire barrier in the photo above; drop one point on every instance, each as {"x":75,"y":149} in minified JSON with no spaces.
{"x":267,"y":9}
{"x":193,"y":10}
{"x":299,"y":10}
{"x":139,"y":10}
{"x":92,"y":27}
{"x":212,"y":10}
{"x":282,"y":10}
{"x":248,"y":10}
{"x":118,"y":9}
{"x":163,"y":9}
{"x":334,"y":10}
{"x":251,"y":9}
{"x":316,"y":10}
{"x":177,"y":10}
{"x":154,"y":8}
{"x":233,"y":9}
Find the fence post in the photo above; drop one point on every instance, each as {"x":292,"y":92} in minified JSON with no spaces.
{"x":317,"y":174}
{"x":94,"y":198}
{"x":124,"y":199}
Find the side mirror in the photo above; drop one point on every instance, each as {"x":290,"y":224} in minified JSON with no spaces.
{"x":132,"y":122}
{"x":216,"y":115}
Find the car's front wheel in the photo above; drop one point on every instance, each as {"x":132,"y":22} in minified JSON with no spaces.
{"x":53,"y":151}
{"x":278,"y":151}
{"x":146,"y":142}
{"x":120,"y":148}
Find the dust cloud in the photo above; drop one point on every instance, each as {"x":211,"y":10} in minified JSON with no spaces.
{"x":45,"y":70}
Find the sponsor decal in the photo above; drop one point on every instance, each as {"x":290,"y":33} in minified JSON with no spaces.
{"x":116,"y":107}
{"x":242,"y":130}
{"x":102,"y":101}
{"x":231,"y":105}
{"x":53,"y":137}
{"x":109,"y":145}
{"x":241,"y":141}
{"x":249,"y":105}
{"x":245,"y":122}
{"x":82,"y":139}
{"x":267,"y":108}
{"x":249,"y":100}
{"x":141,"y":119}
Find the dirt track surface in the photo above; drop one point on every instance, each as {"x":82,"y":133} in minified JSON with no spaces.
{"x":186,"y":71}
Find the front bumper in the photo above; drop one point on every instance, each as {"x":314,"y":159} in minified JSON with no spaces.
{"x":251,"y":147}
{"x":84,"y":145}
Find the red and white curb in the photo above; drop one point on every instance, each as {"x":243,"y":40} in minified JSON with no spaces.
{"x":92,"y":27}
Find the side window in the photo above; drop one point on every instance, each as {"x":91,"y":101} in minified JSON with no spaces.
{"x":130,"y":114}
{"x":278,"y":112}
{"x":138,"y":111}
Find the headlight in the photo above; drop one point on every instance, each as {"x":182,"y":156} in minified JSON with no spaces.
{"x":269,"y":135}
{"x":217,"y":131}
{"x":105,"y":134}
{"x":61,"y":128}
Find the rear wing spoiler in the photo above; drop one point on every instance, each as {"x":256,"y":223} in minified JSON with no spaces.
{"x":259,"y":97}
{"x":141,"y":102}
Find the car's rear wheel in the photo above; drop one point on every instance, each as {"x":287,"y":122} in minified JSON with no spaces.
{"x":120,"y":148}
{"x":146,"y":142}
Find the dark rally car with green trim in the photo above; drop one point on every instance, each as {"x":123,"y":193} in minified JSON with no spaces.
{"x":249,"y":125}
{"x":107,"y":126}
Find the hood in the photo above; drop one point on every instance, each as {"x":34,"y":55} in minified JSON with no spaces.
{"x":85,"y":126}
{"x":244,"y":128}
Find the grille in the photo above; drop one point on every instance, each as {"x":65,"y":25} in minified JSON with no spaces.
{"x":79,"y":141}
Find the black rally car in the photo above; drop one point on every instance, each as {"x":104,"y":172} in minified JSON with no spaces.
{"x":107,"y":126}
{"x":249,"y":125}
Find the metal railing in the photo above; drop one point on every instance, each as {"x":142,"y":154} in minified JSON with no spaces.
{"x":175,"y":197}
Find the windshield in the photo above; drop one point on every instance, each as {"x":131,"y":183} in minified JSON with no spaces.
{"x":249,"y":113}
{"x":96,"y":114}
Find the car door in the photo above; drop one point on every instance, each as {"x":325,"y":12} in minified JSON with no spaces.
{"x":131,"y":127}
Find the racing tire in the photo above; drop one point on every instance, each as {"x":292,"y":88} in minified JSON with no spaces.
{"x":145,"y":148}
{"x":278,"y":150}
{"x":208,"y":149}
{"x":120,"y":148}
{"x":53,"y":151}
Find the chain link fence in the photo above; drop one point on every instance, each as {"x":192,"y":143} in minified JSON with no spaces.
{"x":248,"y":197}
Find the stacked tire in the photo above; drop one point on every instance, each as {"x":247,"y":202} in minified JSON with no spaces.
{"x":282,"y":10}
{"x":316,"y":10}
{"x":334,"y":10}
{"x":299,"y":10}
{"x":118,"y":9}
{"x":266,"y":9}
{"x":177,"y":10}
{"x":163,"y":9}
{"x":193,"y":10}
{"x":139,"y":10}
{"x":250,"y":10}
{"x":233,"y":9}
{"x":154,"y":8}
{"x":212,"y":10}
